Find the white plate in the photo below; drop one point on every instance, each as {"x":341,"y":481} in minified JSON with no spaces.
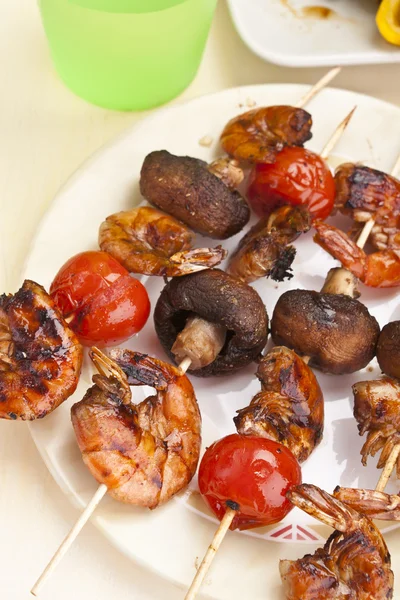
{"x":280,"y":32}
{"x":170,"y":539}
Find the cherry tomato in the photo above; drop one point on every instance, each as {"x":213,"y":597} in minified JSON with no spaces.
{"x":250,"y":474}
{"x":106,"y":304}
{"x":297,"y":176}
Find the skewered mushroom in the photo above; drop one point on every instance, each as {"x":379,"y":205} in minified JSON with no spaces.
{"x":388,"y":349}
{"x":185,"y":188}
{"x":220,"y":301}
{"x":336,"y":331}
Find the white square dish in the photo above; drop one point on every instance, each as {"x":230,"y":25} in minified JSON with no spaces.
{"x":289,"y":32}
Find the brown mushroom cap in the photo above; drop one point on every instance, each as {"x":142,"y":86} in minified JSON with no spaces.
{"x":186,"y":189}
{"x":217,"y":297}
{"x":388,"y":349}
{"x":335,"y":331}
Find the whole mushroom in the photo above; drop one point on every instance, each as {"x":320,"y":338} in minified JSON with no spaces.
{"x":188,"y":189}
{"x":336,"y":331}
{"x":388,"y":349}
{"x":217,"y":321}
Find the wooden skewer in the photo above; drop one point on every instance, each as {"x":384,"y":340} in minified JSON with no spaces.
{"x":337,"y":134}
{"x":395,"y":453}
{"x":230,"y":512}
{"x":323,"y":82}
{"x":211,"y":552}
{"x":389,"y":466}
{"x":68,"y":540}
{"x":364,"y":235}
{"x":84,"y":517}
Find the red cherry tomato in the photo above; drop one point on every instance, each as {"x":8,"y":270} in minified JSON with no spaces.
{"x":297,"y":176}
{"x":107,"y":305}
{"x":252,"y":474}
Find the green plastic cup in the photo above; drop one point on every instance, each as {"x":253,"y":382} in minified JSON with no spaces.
{"x":127,"y":54}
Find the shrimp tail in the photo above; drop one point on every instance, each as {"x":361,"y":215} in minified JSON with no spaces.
{"x":268,"y":415}
{"x":392,"y":441}
{"x":292,"y":220}
{"x":374,"y":442}
{"x":141,"y":369}
{"x":322,"y":506}
{"x":338,"y":244}
{"x":373,"y":504}
{"x":190,"y":261}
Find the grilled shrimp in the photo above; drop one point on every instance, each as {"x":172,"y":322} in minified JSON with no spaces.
{"x":372,"y":504}
{"x":265,"y":250}
{"x":363,"y":193}
{"x":377,"y":411}
{"x":144,"y":453}
{"x":257,"y":135}
{"x":146,"y":240}
{"x":40,"y":357}
{"x":354,"y":564}
{"x":379,"y":269}
{"x":290,"y":407}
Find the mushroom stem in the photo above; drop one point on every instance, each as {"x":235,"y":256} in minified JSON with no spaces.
{"x":341,"y":281}
{"x":201,"y":341}
{"x":228,"y":170}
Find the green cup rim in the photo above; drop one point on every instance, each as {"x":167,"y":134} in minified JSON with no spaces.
{"x":85,"y":5}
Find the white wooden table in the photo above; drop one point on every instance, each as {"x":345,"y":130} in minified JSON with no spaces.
{"x":45,"y":133}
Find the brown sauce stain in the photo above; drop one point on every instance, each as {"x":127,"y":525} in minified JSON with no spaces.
{"x":310,"y":12}
{"x":318,"y":12}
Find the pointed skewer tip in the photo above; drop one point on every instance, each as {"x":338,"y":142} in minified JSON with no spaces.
{"x":337,"y":134}
{"x":317,"y":87}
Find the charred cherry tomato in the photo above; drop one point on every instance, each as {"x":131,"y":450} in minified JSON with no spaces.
{"x":297,"y":176}
{"x":105,"y":304}
{"x":251,"y":475}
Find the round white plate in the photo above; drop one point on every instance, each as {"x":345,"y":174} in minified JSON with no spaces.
{"x":171,"y":539}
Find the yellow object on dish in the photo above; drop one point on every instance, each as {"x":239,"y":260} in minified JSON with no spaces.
{"x":388,"y":20}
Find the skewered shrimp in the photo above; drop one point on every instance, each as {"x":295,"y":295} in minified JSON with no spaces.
{"x":40,"y":356}
{"x":144,"y":453}
{"x":377,"y":411}
{"x":290,"y":407}
{"x":379,"y":269}
{"x":146,"y":240}
{"x":362,"y":193}
{"x":354,"y":564}
{"x":265,"y":250}
{"x":257,"y":135}
{"x":373,"y":504}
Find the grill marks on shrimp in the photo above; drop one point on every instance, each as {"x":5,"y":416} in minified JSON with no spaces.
{"x":40,"y":357}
